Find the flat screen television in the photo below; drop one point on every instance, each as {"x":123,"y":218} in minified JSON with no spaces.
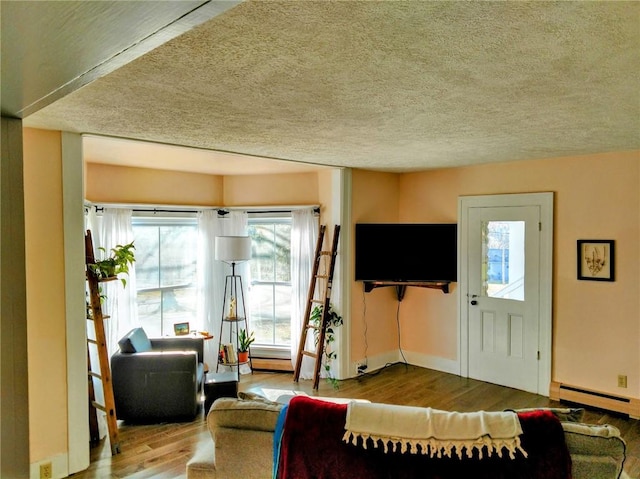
{"x":406,"y":252}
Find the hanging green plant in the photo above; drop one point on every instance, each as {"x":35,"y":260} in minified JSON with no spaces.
{"x":118,"y":263}
{"x":334,"y":320}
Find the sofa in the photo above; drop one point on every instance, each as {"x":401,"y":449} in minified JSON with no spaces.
{"x":157,"y":379}
{"x":243,"y":428}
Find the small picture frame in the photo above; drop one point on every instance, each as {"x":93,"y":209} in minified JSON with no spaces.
{"x":181,"y":329}
{"x":596,"y":260}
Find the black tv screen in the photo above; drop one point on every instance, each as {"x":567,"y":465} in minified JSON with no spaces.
{"x":406,"y":252}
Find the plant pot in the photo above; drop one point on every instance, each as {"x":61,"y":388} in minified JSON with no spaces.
{"x":243,"y":356}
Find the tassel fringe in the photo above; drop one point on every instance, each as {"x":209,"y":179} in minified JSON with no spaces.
{"x":439,"y":448}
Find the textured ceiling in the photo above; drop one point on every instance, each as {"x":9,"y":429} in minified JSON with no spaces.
{"x":386,"y":85}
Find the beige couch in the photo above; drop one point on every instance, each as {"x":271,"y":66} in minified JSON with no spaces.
{"x":242,"y":447}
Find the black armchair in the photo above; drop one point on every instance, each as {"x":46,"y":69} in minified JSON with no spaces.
{"x":157,"y":379}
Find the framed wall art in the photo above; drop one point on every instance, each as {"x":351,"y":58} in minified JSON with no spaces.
{"x":596,"y":260}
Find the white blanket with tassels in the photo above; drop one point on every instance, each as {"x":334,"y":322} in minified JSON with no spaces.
{"x":438,"y":433}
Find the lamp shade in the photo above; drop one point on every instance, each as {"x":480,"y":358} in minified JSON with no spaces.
{"x":233,"y":248}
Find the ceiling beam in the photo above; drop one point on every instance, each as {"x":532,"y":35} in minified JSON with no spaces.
{"x":50,"y":49}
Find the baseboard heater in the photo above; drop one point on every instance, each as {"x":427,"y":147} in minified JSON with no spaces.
{"x":609,"y":402}
{"x":271,"y":364}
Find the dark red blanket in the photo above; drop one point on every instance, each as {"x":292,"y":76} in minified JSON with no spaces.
{"x":312,"y":448}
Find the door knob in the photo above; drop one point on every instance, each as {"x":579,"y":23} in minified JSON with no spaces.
{"x":474,"y":302}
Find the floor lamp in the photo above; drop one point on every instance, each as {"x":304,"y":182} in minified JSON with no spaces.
{"x":233,"y":250}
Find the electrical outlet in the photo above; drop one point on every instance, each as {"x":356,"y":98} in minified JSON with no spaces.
{"x":622,"y":381}
{"x":361,"y":367}
{"x":46,"y":471}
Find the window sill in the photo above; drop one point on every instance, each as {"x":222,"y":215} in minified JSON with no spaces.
{"x":270,"y":352}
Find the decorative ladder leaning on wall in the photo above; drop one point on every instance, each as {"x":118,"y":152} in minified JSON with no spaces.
{"x":94,"y":313}
{"x":324,"y":300}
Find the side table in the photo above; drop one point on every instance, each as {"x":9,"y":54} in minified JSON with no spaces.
{"x":218,"y":385}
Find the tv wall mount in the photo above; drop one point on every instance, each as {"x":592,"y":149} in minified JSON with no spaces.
{"x":401,"y":286}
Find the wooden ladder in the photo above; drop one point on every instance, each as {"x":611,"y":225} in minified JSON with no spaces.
{"x":323,"y":301}
{"x":104,"y":374}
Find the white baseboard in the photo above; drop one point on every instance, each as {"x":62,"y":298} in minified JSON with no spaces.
{"x":374,"y":362}
{"x":425,"y":361}
{"x":451,"y":366}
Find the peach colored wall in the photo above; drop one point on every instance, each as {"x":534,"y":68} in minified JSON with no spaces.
{"x":271,"y":190}
{"x":325,"y":198}
{"x":46,"y":315}
{"x":375,"y":199}
{"x":121,"y":184}
{"x":596,"y":326}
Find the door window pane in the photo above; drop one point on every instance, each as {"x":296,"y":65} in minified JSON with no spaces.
{"x":503,"y":259}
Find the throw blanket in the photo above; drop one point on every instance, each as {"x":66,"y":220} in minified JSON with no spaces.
{"x":433,"y":432}
{"x":312,"y":448}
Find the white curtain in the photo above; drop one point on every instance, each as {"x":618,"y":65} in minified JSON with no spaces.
{"x":110,"y":229}
{"x":304,"y":235}
{"x":209,"y":273}
{"x":212,"y":273}
{"x":107,"y":231}
{"x":120,"y":303}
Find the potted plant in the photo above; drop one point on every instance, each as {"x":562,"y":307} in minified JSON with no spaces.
{"x":118,"y":263}
{"x":244,"y":341}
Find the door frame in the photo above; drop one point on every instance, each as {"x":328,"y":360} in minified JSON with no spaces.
{"x":545,"y":201}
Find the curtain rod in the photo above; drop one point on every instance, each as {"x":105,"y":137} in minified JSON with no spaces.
{"x":152,"y":210}
{"x":221,"y":211}
{"x":224,"y":211}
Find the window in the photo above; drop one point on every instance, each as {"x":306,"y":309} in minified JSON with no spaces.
{"x":270,"y":311}
{"x":503,"y":261}
{"x":165,"y":272}
{"x":166,"y":277}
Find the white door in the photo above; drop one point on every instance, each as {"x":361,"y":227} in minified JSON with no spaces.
{"x":504,"y":278}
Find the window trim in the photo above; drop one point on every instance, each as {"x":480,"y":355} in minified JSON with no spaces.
{"x":144,"y":219}
{"x":271,"y":350}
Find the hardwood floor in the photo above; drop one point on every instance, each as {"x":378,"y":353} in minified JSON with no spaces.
{"x":162,"y":450}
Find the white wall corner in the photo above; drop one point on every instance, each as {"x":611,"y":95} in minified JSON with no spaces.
{"x":375,"y":363}
{"x":74,"y":259}
{"x":450,"y":366}
{"x":341,"y":290}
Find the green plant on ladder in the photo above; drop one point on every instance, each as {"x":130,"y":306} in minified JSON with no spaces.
{"x":334,"y":320}
{"x":118,"y":263}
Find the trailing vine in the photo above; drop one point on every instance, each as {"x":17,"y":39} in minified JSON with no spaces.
{"x":334,"y":320}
